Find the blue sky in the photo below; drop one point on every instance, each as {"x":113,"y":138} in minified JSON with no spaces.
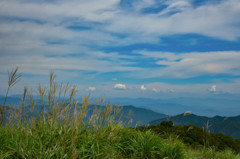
{"x":124,"y":48}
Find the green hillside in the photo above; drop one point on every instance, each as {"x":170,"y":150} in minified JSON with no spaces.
{"x":194,"y":136}
{"x":226,"y":125}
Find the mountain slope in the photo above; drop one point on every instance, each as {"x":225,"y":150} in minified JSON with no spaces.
{"x":217,"y":124}
{"x":141,"y":116}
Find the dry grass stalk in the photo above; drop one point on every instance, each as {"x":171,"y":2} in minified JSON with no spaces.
{"x":13,"y":78}
{"x":41,"y":92}
{"x":23,"y":102}
{"x":67,"y":111}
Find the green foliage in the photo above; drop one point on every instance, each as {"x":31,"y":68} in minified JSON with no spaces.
{"x":217,"y":124}
{"x":137,"y":144}
{"x":174,"y":149}
{"x":195,"y":137}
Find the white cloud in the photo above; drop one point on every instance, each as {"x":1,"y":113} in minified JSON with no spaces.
{"x":214,"y":20}
{"x":51,"y":19}
{"x":92,"y":10}
{"x":120,"y":86}
{"x":176,"y":6}
{"x":155,"y":90}
{"x":213,"y":89}
{"x":91,"y":88}
{"x":44,"y":63}
{"x":171,"y":90}
{"x":193,"y":64}
{"x":142,"y":87}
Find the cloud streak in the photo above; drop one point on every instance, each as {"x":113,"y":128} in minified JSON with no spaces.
{"x":193,"y":64}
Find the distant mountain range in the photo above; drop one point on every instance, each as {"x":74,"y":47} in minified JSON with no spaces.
{"x":217,"y":124}
{"x":154,"y":113}
{"x":13,"y":101}
{"x":224,"y":105}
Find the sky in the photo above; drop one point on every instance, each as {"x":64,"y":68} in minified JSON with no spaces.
{"x":123,"y":48}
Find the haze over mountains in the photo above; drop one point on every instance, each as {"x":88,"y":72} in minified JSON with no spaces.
{"x":218,"y":105}
{"x":215,"y":105}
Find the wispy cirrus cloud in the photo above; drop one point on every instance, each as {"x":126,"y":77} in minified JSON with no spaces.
{"x":29,"y":64}
{"x":180,"y":17}
{"x":193,"y":64}
{"x":106,"y":18}
{"x":92,"y":10}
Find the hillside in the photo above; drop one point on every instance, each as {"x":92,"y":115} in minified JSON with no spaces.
{"x":194,"y":136}
{"x":141,"y":116}
{"x":217,"y":124}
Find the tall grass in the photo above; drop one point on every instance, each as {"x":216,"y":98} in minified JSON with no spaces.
{"x":13,"y":78}
{"x":65,"y":129}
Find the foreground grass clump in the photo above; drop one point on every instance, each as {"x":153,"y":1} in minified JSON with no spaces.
{"x":110,"y":142}
{"x":61,"y":128}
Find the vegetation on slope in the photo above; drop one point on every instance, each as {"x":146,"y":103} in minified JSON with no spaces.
{"x":217,"y":124}
{"x":195,"y":137}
